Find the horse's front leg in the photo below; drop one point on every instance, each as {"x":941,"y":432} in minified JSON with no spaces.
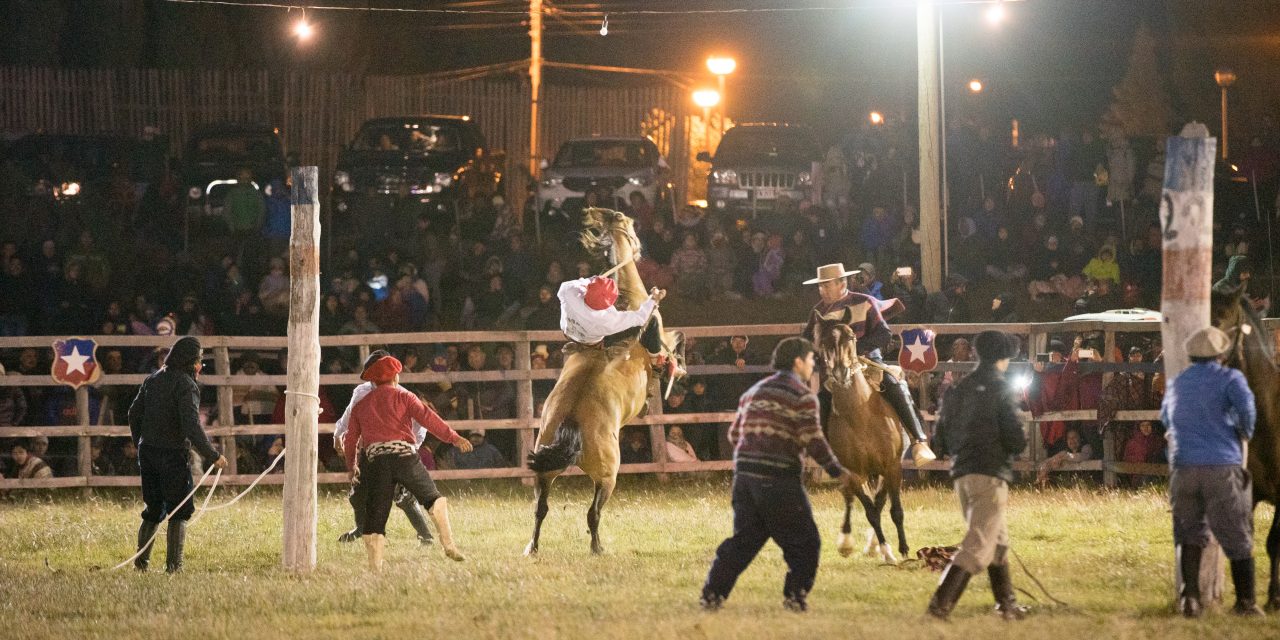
{"x":844,"y":544}
{"x":895,"y":512}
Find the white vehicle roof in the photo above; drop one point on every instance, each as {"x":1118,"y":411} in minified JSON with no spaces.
{"x":1120,"y":315}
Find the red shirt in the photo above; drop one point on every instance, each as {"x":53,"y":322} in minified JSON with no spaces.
{"x":385,"y":415}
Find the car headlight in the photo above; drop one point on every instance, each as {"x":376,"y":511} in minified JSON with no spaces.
{"x":804,"y":178}
{"x":724,"y":176}
{"x":641,"y":181}
{"x":194,"y":193}
{"x":444,"y":179}
{"x":343,"y":180}
{"x":70,"y":188}
{"x":553,"y":181}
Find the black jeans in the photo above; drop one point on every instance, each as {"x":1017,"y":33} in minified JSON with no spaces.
{"x":765,"y":508}
{"x":381,"y":474}
{"x":166,"y":480}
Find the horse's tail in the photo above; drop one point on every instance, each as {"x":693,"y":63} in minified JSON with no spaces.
{"x":562,"y":452}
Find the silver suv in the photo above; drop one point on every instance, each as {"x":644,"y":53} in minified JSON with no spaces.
{"x":611,"y":168}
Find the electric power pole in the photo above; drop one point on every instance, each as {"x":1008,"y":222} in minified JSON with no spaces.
{"x":535,"y":81}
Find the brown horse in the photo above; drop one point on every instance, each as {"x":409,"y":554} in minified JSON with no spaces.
{"x":599,"y":389}
{"x":865,"y":434}
{"x":1253,"y":356}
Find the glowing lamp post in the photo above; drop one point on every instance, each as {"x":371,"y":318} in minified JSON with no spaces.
{"x":876,"y":118}
{"x":721,"y":67}
{"x":1224,"y":78}
{"x":975,"y":86}
{"x":706,"y":98}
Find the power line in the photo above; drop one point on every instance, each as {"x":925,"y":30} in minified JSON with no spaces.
{"x":573,"y":12}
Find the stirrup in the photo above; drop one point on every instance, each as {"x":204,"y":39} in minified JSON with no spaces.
{"x":921,"y":453}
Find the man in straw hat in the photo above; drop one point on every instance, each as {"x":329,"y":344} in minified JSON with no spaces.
{"x":357,"y":496}
{"x":1208,"y":411}
{"x":381,"y":437}
{"x":873,"y":335}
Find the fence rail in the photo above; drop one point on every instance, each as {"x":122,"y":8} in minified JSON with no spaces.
{"x":225,"y":429}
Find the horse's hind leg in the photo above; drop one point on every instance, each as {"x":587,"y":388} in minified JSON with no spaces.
{"x":604,"y":489}
{"x":875,"y":537}
{"x":844,"y":544}
{"x":1273,"y":554}
{"x":895,"y":512}
{"x":541,"y":487}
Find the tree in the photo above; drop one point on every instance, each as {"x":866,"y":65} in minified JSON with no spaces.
{"x":1141,"y":106}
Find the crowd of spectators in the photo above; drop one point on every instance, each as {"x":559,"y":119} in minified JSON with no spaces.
{"x":1069,"y":219}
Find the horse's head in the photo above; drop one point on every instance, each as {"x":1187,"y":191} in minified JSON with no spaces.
{"x":1231,"y":312}
{"x":837,"y":345}
{"x":608,"y":236}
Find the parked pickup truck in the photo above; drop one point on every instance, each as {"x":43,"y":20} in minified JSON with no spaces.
{"x":759,"y":164}
{"x":419,"y":164}
{"x":216,"y":155}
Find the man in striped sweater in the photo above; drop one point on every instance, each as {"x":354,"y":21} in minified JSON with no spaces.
{"x":777,"y":423}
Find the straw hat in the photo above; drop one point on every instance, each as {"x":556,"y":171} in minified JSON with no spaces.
{"x":831,"y":272}
{"x":1209,"y":342}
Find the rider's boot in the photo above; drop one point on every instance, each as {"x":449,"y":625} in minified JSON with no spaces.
{"x":899,"y":397}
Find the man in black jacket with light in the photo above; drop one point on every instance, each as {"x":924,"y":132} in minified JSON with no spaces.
{"x":165,"y":423}
{"x":979,"y":428}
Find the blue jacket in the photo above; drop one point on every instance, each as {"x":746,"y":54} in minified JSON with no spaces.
{"x":1206,"y":411}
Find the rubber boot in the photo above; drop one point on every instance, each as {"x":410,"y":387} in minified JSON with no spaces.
{"x":374,"y":545}
{"x":176,"y":540}
{"x":1189,"y":565}
{"x":1002,"y":588}
{"x":145,"y":531}
{"x":440,"y":515}
{"x":413,"y":511}
{"x":1243,"y":576}
{"x":954,"y":581}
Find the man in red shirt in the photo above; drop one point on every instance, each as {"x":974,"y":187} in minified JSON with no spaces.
{"x":380,"y":435}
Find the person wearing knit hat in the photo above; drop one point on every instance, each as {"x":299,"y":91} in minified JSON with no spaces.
{"x":980,"y":429}
{"x":164,"y":421}
{"x":1208,"y":412}
{"x":380,"y":436}
{"x":357,"y":495}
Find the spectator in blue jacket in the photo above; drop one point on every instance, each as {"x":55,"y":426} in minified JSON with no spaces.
{"x":1208,"y":410}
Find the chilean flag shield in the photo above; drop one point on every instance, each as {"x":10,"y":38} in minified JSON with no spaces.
{"x":75,"y":362}
{"x":918,"y":353}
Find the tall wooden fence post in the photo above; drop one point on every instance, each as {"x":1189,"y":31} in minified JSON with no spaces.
{"x":84,"y":454}
{"x":1186,"y":218}
{"x":302,"y":404}
{"x":226,"y":408}
{"x":524,"y":403}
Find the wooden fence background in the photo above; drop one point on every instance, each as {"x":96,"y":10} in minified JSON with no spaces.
{"x":318,"y":113}
{"x":1036,"y":336}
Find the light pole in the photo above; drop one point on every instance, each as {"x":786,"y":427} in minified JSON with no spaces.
{"x":706,"y":98}
{"x":1225,"y":78}
{"x":721,"y":66}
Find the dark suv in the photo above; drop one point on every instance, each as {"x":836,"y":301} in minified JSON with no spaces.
{"x":426,"y":164}
{"x":70,"y":169}
{"x":216,"y":154}
{"x":757,"y":165}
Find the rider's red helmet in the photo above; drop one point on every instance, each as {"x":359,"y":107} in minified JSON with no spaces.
{"x":602,"y":293}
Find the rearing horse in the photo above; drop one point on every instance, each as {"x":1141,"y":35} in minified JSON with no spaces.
{"x":866,"y":436}
{"x":1251,"y":354}
{"x":599,"y":389}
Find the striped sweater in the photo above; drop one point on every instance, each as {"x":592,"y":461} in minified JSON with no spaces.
{"x":777,"y":421}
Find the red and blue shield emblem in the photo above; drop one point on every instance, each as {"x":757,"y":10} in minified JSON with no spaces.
{"x":75,"y":362}
{"x":918,"y":353}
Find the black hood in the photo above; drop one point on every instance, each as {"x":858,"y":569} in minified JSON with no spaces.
{"x":184,"y":353}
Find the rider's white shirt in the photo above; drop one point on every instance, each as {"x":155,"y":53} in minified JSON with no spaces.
{"x":589,"y":326}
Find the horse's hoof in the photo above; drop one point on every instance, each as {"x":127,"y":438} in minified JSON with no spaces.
{"x":531,"y":550}
{"x":872,"y":548}
{"x":844,"y":544}
{"x":1273,"y":605}
{"x":887,"y":554}
{"x":597,"y":550}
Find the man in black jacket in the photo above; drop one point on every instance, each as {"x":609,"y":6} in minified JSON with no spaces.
{"x":979,"y":428}
{"x":165,"y":422}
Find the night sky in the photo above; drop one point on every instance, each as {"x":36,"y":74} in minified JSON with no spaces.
{"x":1051,"y":64}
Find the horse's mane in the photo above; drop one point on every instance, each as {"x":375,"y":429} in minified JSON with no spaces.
{"x":598,"y":226}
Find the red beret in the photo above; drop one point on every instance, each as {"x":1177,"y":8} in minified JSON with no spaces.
{"x":602,"y":293}
{"x":382,"y":371}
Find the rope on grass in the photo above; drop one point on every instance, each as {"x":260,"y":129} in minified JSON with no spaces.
{"x":272,"y":466}
{"x":172,"y":511}
{"x":1035,"y":580}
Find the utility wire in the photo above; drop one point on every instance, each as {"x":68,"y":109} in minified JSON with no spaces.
{"x":572,"y":12}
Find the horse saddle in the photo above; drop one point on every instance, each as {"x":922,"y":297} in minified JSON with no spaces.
{"x":874,"y":371}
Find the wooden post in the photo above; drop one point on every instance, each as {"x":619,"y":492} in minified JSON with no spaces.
{"x":524,"y":402}
{"x":658,"y":435}
{"x":226,"y":407}
{"x":930,"y":160}
{"x":84,"y":454}
{"x":1186,"y":218}
{"x":1109,"y":437}
{"x":302,"y":405}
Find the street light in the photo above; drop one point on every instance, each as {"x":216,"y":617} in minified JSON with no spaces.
{"x":876,"y":118}
{"x":975,"y":86}
{"x":706,"y":98}
{"x":303,"y":29}
{"x":721,"y":66}
{"x":1225,"y":78}
{"x":995,"y":13}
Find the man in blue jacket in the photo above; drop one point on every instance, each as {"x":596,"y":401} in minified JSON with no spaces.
{"x":1208,"y":411}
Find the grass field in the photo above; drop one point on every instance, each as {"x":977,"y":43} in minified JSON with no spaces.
{"x":1107,"y":554}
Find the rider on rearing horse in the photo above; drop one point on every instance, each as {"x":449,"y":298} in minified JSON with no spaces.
{"x":873,"y":335}
{"x":588,"y":316}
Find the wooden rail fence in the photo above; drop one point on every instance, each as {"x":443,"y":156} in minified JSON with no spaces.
{"x":224,"y":430}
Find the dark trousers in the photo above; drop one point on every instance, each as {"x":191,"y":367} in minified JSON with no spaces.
{"x":381,"y":474}
{"x":358,"y":497}
{"x":765,"y":508}
{"x":166,"y":480}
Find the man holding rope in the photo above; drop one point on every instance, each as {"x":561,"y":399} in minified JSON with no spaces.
{"x":164,"y":421}
{"x":380,"y":437}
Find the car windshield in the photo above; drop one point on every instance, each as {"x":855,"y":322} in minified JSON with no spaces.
{"x":753,"y":145}
{"x":605,"y":153}
{"x":411,"y":137}
{"x":238,"y":145}
{"x":66,"y":158}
